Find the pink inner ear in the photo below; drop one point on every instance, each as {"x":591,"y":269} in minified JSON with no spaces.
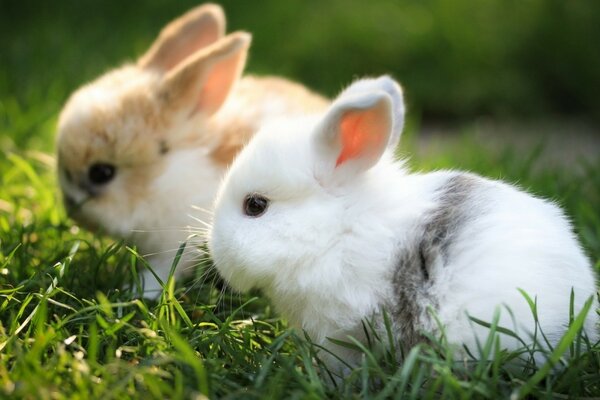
{"x":218,"y":83}
{"x":362,"y":134}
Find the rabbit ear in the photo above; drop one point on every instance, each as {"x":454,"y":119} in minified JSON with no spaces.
{"x":203,"y":82}
{"x":393,"y":89}
{"x":192,"y":31}
{"x":354,"y":134}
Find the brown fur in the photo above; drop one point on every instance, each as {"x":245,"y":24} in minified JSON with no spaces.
{"x":138,"y":116}
{"x":236,"y":131}
{"x":102,"y":132}
{"x":192,"y":31}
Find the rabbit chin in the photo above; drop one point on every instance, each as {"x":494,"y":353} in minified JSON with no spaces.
{"x":96,"y":215}
{"x":83,"y":219}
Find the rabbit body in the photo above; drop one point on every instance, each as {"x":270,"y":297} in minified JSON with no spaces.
{"x":349,"y":231}
{"x":143,"y":144}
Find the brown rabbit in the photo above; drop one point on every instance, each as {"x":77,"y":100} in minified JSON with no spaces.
{"x":135,"y":145}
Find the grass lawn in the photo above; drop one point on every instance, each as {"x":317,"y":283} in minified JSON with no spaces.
{"x":70,"y":329}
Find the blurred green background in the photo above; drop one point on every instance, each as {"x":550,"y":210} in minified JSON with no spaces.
{"x":457,"y":59}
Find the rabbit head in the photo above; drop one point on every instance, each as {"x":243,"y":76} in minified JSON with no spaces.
{"x":121,"y":136}
{"x":285,"y":202}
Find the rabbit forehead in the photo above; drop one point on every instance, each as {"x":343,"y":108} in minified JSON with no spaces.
{"x":278,"y":160}
{"x":102,"y":120}
{"x":127,"y":84}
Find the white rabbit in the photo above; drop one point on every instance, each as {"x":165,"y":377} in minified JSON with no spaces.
{"x":316,"y":214}
{"x":142,"y":144}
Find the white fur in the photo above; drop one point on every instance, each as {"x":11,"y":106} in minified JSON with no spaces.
{"x":325,"y":249}
{"x":161,"y":232}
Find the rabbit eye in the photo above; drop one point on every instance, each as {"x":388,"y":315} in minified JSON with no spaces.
{"x":255,"y":205}
{"x":101,"y":173}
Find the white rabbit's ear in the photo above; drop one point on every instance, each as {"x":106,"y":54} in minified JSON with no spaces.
{"x":203,"y":82}
{"x":183,"y":36}
{"x":354,"y":133}
{"x":393,"y":89}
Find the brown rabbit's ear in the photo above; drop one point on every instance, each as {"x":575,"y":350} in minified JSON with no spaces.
{"x":203,"y":81}
{"x":183,"y":36}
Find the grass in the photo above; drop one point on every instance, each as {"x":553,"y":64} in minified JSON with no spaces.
{"x":69,"y":328}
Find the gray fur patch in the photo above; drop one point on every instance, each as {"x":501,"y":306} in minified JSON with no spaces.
{"x":414,"y":273}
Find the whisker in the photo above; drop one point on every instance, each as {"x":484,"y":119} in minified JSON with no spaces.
{"x":199,"y":282}
{"x":189,"y":251}
{"x":206,"y":224}
{"x":221,"y":297}
{"x":195,"y":228}
{"x":160,"y":253}
{"x":163,"y":252}
{"x":202,"y":209}
{"x":163,"y":229}
{"x":202,"y":236}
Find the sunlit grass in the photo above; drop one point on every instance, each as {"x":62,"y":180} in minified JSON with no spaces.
{"x":70,"y":328}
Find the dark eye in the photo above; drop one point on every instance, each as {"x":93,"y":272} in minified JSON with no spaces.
{"x":101,"y":173}
{"x":255,"y":205}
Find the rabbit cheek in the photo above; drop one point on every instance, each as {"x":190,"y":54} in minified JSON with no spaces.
{"x":224,"y":251}
{"x":235,"y":251}
{"x":86,"y":223}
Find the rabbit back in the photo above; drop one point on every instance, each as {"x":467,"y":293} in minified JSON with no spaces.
{"x":476,"y":246}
